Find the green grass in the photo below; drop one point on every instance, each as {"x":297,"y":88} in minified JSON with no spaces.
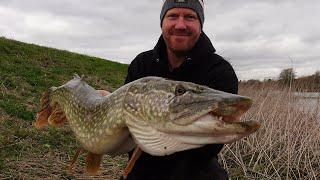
{"x":17,"y":109}
{"x":26,"y":71}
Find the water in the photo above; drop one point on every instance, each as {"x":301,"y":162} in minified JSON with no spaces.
{"x":312,"y":95}
{"x":308,"y":102}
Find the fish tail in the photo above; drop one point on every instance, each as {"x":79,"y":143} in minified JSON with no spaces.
{"x":46,"y":110}
{"x":57,"y":117}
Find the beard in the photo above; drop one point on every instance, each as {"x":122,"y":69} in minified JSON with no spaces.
{"x":179,"y":42}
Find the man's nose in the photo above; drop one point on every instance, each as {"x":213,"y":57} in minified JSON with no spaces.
{"x":180,"y":23}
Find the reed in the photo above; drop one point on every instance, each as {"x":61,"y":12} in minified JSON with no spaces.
{"x":287,"y":146}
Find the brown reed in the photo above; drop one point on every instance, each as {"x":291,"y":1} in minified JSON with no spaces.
{"x":287,"y":146}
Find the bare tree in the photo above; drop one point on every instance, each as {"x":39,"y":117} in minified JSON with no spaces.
{"x":287,"y":76}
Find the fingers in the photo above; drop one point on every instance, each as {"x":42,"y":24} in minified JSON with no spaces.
{"x":103,"y":92}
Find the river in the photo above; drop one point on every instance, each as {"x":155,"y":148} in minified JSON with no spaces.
{"x":309,"y":102}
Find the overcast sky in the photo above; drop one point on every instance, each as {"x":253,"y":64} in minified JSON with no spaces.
{"x":258,"y":37}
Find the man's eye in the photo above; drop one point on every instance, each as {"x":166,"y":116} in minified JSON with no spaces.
{"x":191,"y":17}
{"x":172,"y":16}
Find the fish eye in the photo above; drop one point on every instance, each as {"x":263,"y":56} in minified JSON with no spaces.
{"x":180,"y":90}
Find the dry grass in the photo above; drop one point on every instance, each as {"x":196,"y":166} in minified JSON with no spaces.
{"x":54,"y":165}
{"x":286,"y":147}
{"x":27,"y":153}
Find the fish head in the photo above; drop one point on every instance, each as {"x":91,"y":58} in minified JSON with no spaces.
{"x":169,"y":116}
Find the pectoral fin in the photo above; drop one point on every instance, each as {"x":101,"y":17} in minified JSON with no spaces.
{"x":136,"y":154}
{"x":74,"y":159}
{"x":93,"y":163}
{"x":45,"y":112}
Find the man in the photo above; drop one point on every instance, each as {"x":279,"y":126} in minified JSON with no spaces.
{"x":183,"y":53}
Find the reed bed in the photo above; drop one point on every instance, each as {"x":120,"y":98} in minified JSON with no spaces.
{"x":287,"y":146}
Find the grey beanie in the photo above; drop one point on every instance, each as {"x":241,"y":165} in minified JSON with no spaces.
{"x":196,"y":5}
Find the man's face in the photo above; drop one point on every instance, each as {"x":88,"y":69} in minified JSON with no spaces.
{"x":181,"y":29}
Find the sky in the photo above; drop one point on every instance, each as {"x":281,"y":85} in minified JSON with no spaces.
{"x":259,"y":38}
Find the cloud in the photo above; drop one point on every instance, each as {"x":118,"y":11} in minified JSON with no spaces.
{"x":259,"y":38}
{"x":268,"y":34}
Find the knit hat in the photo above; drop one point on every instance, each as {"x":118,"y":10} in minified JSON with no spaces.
{"x":196,"y":5}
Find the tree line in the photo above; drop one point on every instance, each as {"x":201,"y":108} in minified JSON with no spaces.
{"x":288,"y":78}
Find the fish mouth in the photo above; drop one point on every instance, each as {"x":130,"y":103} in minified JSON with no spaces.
{"x":220,"y":124}
{"x":214,"y":126}
{"x":232,"y":110}
{"x":227,"y":111}
{"x":225,"y":119}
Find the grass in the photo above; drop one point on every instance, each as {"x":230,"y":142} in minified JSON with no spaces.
{"x":286,"y":147}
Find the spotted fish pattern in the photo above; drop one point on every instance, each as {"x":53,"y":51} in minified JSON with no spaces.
{"x":161,"y":116}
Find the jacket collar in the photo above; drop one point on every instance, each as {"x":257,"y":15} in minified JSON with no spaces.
{"x":202,"y":48}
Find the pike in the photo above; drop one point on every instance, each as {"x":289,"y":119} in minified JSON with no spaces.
{"x":158,"y":115}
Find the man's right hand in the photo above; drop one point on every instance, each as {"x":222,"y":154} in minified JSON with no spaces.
{"x":103,"y":92}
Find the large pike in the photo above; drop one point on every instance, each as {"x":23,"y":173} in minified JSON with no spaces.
{"x":160,"y":116}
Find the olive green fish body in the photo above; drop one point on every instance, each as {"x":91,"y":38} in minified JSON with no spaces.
{"x":160,"y":116}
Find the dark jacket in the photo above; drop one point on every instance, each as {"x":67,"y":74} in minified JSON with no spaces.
{"x":202,"y":66}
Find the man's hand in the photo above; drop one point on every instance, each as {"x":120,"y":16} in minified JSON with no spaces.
{"x":103,"y":92}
